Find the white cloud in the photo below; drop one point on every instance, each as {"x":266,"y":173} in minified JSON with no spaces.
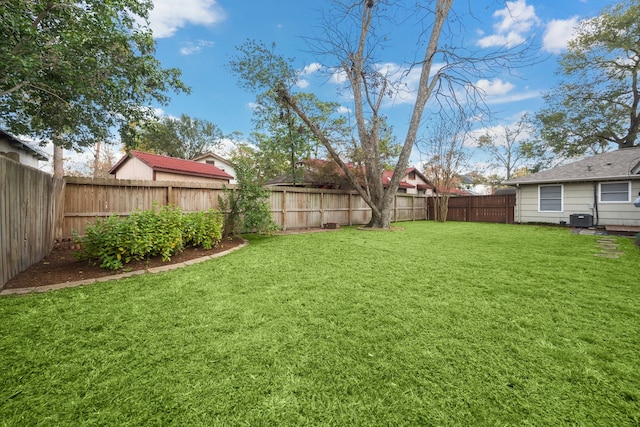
{"x":558,"y":33}
{"x":338,"y":77}
{"x":514,"y":97}
{"x":494,"y":87}
{"x":158,"y":112}
{"x":343,"y":110}
{"x":311,"y":68}
{"x":515,"y":20}
{"x":497,"y":91}
{"x":306,"y":71}
{"x":191,"y":48}
{"x":168,"y":16}
{"x":303,"y":83}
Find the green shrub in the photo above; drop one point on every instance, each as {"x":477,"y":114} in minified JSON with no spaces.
{"x":246,"y":209}
{"x":202,"y":229}
{"x":144,"y":234}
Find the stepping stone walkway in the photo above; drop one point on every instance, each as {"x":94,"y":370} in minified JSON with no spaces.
{"x":609,"y":248}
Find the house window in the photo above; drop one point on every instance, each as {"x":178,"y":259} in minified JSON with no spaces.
{"x":211,"y":162}
{"x":550,"y":198}
{"x":615,"y":192}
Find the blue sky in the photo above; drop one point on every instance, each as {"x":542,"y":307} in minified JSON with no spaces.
{"x":200,"y":36}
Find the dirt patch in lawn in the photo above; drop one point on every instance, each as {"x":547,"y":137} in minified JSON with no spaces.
{"x":62,"y":266}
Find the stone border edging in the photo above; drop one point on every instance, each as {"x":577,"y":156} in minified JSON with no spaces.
{"x":163,"y":268}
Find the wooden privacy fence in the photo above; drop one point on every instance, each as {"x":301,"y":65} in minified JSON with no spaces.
{"x":36,"y":209}
{"x":30,"y":211}
{"x":86,"y":199}
{"x":291,"y":207}
{"x":478,"y":208}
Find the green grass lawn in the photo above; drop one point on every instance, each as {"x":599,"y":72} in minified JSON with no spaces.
{"x":436,"y":324}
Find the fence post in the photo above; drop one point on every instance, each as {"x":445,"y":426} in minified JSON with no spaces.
{"x":321,"y":209}
{"x":284,"y":210}
{"x":169,"y":195}
{"x":395,"y":208}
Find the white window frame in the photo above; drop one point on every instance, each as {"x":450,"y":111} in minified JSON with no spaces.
{"x":628,"y":200}
{"x":561,"y":197}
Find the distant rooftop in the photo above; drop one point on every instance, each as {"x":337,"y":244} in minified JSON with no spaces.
{"x":24,"y":146}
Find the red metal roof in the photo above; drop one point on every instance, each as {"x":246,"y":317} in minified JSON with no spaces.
{"x":179,"y":166}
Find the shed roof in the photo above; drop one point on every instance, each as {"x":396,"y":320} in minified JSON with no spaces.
{"x":613,"y":165}
{"x":171,"y":164}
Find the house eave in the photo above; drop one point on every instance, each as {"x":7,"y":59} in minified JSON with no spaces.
{"x":23,"y":146}
{"x":515,"y":183}
{"x":181,"y":172}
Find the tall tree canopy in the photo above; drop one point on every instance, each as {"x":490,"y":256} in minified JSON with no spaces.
{"x":595,"y":107}
{"x":182,"y":137}
{"x":72,"y":71}
{"x":353,"y":47}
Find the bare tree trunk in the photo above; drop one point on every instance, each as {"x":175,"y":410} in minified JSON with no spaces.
{"x":96,"y":160}
{"x":58,"y":169}
{"x":443,"y":208}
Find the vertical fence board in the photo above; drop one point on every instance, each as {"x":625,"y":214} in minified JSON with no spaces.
{"x":29,"y":202}
{"x":498,"y":209}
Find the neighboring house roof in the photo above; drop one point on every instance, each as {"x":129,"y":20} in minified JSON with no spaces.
{"x":504,"y":191}
{"x":386,"y":179}
{"x":210,"y":154}
{"x":613,"y":165}
{"x":25,"y":146}
{"x":173,"y":165}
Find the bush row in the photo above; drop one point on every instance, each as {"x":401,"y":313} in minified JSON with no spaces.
{"x":116,"y":241}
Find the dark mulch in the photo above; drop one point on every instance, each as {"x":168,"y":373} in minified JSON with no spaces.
{"x":62,"y":266}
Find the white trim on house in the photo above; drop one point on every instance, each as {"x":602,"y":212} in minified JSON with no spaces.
{"x":628,"y":198}
{"x":561,"y":198}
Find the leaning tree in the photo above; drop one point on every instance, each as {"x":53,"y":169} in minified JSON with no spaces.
{"x":354,"y":34}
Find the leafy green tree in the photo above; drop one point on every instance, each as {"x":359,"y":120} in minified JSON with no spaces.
{"x":246,"y":207}
{"x":72,"y":71}
{"x":183,"y":137}
{"x":284,"y":139}
{"x":596,"y":106}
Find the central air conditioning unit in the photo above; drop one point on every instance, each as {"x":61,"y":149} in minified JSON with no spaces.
{"x":581,"y":220}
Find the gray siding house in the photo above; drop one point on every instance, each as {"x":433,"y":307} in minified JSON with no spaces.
{"x":598,"y":191}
